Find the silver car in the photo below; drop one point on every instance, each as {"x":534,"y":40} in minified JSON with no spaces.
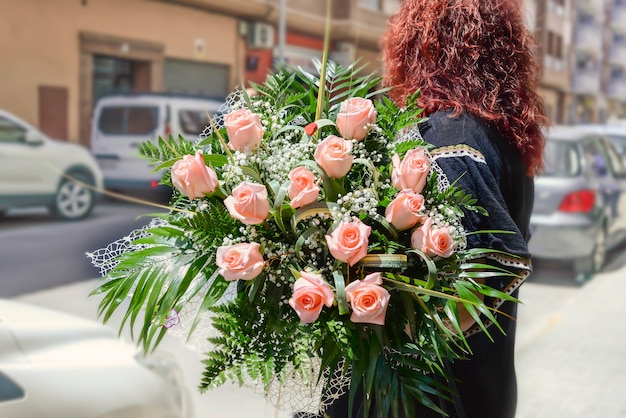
{"x":615,"y":131}
{"x":580,"y":200}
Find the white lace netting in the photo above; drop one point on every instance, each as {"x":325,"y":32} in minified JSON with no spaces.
{"x":292,"y":394}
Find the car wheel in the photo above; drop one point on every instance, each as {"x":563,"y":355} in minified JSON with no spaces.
{"x":73,"y":200}
{"x":594,"y":263}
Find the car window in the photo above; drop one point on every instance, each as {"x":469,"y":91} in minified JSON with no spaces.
{"x":619,"y":141}
{"x":111,"y":120}
{"x":562,"y":159}
{"x":595,"y":158}
{"x":9,"y":390}
{"x":141,"y":120}
{"x":128,"y":120}
{"x":11,"y":131}
{"x":616,"y":163}
{"x":192,"y":121}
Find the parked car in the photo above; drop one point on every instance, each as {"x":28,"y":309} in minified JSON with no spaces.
{"x":54,"y":365}
{"x":580,"y":200}
{"x":122,"y":122}
{"x":36,"y":170}
{"x":615,"y":131}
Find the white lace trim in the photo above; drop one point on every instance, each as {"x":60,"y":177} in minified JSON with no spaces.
{"x":458,"y":151}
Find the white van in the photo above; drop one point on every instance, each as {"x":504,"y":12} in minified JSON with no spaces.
{"x":122,"y":122}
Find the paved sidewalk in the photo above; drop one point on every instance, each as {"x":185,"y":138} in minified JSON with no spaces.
{"x":574,"y":366}
{"x":571,"y":362}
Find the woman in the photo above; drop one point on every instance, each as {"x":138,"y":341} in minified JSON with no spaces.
{"x":474,"y":65}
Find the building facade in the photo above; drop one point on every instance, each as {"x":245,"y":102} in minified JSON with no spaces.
{"x":58,"y":57}
{"x":582,"y":47}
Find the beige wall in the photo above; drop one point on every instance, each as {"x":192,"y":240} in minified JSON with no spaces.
{"x":39,"y":43}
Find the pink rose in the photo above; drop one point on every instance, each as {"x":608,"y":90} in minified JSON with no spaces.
{"x":303,"y":189}
{"x":412,"y":172}
{"x":240,"y":261}
{"x":244,"y":129}
{"x":192,"y":177}
{"x":348,"y":243}
{"x":310,"y":292}
{"x":354,"y":116}
{"x":333,"y":155}
{"x":369,"y":300}
{"x":403,"y":211}
{"x":433,"y":241}
{"x":248,"y":203}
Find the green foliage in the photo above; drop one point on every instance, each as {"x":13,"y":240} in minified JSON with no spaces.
{"x":393,"y":119}
{"x":341,"y":84}
{"x":170,"y":269}
{"x":456,"y":197}
{"x":255,"y":345}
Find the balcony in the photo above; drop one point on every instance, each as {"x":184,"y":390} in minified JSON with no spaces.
{"x":616,"y":89}
{"x":355,"y":21}
{"x":618,"y":17}
{"x":586,"y":81}
{"x":555,"y":73}
{"x":589,"y":8}
{"x":617,"y":54}
{"x":587,"y":37}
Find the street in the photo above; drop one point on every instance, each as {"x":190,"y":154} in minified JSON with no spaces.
{"x":41,"y":252}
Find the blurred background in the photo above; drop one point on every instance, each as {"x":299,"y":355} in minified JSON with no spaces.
{"x":83,"y":82}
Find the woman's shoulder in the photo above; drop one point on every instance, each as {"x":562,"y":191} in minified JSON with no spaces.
{"x":460,"y":135}
{"x":445,"y":128}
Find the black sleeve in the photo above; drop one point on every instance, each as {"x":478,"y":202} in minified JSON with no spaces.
{"x":466,"y":154}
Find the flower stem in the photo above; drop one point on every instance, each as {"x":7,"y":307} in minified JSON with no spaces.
{"x":321,"y":92}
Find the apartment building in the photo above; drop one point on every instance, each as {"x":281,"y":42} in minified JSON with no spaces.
{"x":614,"y":74}
{"x":582,"y":46}
{"x":551,"y":22}
{"x":59,"y":57}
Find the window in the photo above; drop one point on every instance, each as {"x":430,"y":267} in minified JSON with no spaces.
{"x":561,"y":159}
{"x":111,"y":76}
{"x":616,"y":162}
{"x":112,"y":120}
{"x":135,"y":120}
{"x":9,"y":390}
{"x":555,"y":45}
{"x":192,"y":121}
{"x":141,"y":120}
{"x":595,"y":158}
{"x":10,"y":131}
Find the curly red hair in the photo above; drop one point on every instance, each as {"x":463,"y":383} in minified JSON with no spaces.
{"x":469,"y":55}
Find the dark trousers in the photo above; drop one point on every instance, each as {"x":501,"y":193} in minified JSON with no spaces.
{"x":486,"y":386}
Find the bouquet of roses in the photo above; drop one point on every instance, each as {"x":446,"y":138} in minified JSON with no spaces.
{"x":312,"y":224}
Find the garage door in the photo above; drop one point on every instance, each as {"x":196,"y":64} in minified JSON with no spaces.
{"x":199,"y":78}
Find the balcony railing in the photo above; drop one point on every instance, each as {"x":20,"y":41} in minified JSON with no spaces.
{"x":589,"y":7}
{"x":588,"y":37}
{"x":586,"y":82}
{"x":618,"y":16}
{"x":618,"y":53}
{"x":616,"y":89}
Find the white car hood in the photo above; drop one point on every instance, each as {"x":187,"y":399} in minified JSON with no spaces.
{"x":43,"y":335}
